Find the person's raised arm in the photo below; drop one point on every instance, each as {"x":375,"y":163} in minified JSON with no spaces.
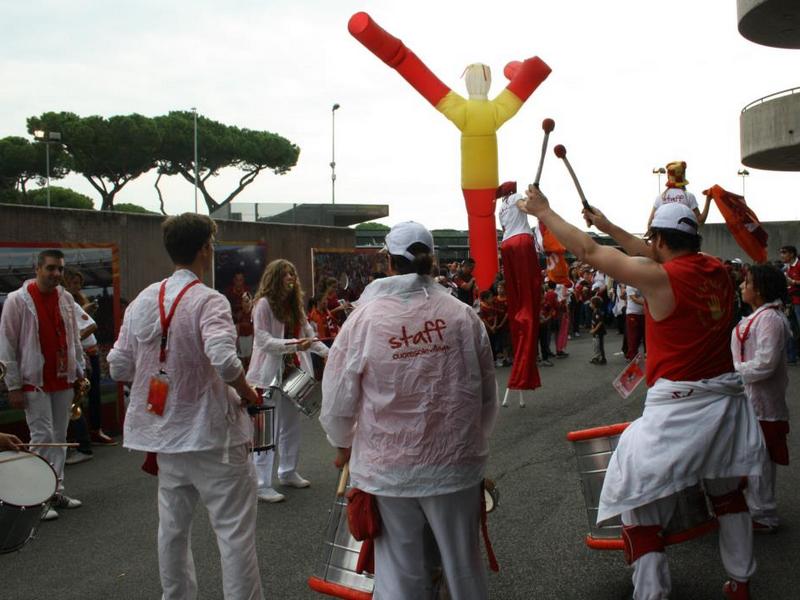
{"x":702,"y":216}
{"x":643,"y":273}
{"x":632,"y":245}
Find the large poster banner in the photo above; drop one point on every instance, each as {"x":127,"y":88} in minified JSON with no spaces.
{"x":352,"y":268}
{"x":98,"y":264}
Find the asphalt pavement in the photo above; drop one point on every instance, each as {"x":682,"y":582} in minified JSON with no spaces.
{"x":107,"y":548}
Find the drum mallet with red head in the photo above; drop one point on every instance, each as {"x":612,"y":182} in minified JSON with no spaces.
{"x":547,"y":125}
{"x":561,"y":152}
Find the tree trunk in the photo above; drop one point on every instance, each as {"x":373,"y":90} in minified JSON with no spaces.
{"x":160,"y":197}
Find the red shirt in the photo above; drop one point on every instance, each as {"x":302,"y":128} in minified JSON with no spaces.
{"x":488,"y":314}
{"x":52,"y":339}
{"x":550,"y":304}
{"x":793,"y":272}
{"x":321,"y":321}
{"x":693,"y":342}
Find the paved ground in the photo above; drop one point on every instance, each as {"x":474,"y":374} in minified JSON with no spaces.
{"x":106,"y":549}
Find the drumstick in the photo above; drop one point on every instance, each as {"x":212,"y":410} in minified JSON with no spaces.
{"x":327,"y":339}
{"x":561,"y":152}
{"x":547,"y":125}
{"x":50,"y":445}
{"x":342,"y":487}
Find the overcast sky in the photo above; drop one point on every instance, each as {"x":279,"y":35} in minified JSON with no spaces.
{"x":635,"y":84}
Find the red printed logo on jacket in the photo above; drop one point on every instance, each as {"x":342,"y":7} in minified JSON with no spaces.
{"x":423,"y":341}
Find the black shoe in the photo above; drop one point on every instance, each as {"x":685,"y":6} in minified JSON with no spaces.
{"x":562,"y":354}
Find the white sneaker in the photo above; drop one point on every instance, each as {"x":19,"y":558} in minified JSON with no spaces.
{"x":50,"y":515}
{"x":270,"y":495}
{"x":76,"y":457}
{"x":62,"y":501}
{"x":294,"y":480}
{"x":498,"y":363}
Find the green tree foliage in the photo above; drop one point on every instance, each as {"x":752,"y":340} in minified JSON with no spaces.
{"x":22,"y":161}
{"x":219,"y":146}
{"x":109,"y":153}
{"x":59,"y":198}
{"x":372,"y":225}
{"x":132,"y":208}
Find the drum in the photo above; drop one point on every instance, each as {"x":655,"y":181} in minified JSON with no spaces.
{"x":263,"y":418}
{"x":27,"y":482}
{"x":298,"y":387}
{"x":337,"y":573}
{"x":593,"y":450}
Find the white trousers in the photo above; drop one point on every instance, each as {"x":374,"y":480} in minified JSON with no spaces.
{"x":405,"y":551}
{"x":287,"y":419}
{"x":228,"y":493}
{"x":651,"y":578}
{"x":47,"y":415}
{"x":760,"y":495}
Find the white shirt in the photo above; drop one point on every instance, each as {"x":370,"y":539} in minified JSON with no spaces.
{"x":512,"y":219}
{"x":632,"y":308}
{"x":763,"y":369}
{"x":84,"y":322}
{"x":676,"y":195}
{"x":202,"y":412}
{"x":410,"y":386}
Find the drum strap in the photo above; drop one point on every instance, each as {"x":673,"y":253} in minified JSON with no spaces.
{"x":640,"y":540}
{"x":730,"y":503}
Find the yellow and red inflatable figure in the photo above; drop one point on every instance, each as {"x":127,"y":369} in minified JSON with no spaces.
{"x":478,"y":119}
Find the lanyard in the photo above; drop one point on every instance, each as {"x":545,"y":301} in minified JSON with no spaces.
{"x":167,"y":319}
{"x":743,"y":335}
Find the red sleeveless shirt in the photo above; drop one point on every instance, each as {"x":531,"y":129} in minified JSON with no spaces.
{"x":693,"y":342}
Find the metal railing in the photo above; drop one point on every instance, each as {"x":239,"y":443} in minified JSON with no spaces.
{"x":788,"y":92}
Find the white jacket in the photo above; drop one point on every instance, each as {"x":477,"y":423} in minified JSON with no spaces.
{"x":269,"y":346}
{"x":202,"y":412}
{"x":410,"y":386}
{"x":19,"y":339}
{"x":763,"y":369}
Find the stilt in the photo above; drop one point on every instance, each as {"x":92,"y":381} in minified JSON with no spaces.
{"x":505,"y":398}
{"x":521,"y":399}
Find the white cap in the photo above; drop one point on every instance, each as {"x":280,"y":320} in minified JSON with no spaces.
{"x":675,"y":216}
{"x":404,"y":235}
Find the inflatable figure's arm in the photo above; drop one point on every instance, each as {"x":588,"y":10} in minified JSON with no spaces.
{"x":394,"y":53}
{"x":525,"y":78}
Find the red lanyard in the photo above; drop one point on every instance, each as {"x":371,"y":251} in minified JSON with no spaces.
{"x":167,"y":319}
{"x":742,"y":336}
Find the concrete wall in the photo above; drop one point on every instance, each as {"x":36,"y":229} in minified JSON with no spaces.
{"x":769,"y":133}
{"x":142,"y":256}
{"x":717,"y":239}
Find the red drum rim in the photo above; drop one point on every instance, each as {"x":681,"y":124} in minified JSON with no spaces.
{"x":674,"y":538}
{"x":336,"y":590}
{"x":597,"y":432}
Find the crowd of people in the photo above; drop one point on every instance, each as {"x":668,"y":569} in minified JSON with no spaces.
{"x":196,"y":359}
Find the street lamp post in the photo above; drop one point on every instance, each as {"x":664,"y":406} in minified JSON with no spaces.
{"x":659,"y":171}
{"x":196,"y":166}
{"x":333,"y":153}
{"x":47,"y":138}
{"x":743,"y":173}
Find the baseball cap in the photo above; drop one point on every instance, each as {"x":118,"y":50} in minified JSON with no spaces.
{"x":675,"y":216}
{"x":404,"y":235}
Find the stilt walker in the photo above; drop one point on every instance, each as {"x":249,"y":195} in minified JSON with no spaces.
{"x":523,"y":277}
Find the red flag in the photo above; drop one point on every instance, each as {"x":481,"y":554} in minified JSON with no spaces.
{"x":557,"y":267}
{"x":742,"y":222}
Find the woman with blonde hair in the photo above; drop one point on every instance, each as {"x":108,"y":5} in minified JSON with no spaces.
{"x":283,"y":339}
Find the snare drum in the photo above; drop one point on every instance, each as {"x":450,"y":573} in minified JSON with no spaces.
{"x":263,"y":418}
{"x":27,"y":482}
{"x":593,"y":450}
{"x":298,"y":387}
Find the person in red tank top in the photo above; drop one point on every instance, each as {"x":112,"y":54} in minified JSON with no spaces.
{"x":712,"y":437}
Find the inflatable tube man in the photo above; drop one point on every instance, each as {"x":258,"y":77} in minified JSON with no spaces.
{"x":478,"y":119}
